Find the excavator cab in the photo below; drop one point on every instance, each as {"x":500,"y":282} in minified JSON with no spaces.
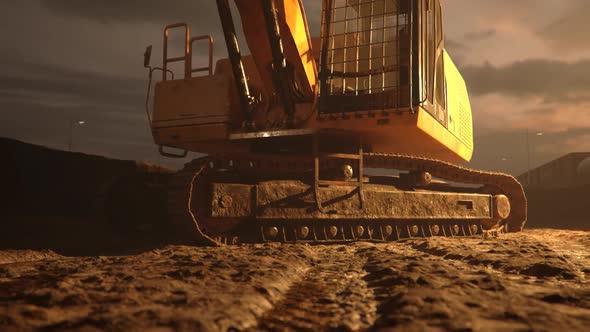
{"x":386,"y":57}
{"x":365,"y":58}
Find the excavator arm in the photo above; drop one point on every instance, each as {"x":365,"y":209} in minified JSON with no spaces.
{"x":278,"y":37}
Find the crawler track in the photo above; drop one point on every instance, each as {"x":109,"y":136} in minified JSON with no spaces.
{"x":188,"y":214}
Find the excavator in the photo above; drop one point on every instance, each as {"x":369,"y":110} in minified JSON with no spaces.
{"x":356,"y":135}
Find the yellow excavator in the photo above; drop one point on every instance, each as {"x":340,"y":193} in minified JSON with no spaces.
{"x":352,"y":136}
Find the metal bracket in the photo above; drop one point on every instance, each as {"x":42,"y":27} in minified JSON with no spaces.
{"x":172,"y":155}
{"x":317,"y":181}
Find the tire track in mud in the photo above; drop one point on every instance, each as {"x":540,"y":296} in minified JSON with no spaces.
{"x":413,"y":285}
{"x":332,"y":296}
{"x":419,"y":291}
{"x":573,"y":245}
{"x":517,"y":254}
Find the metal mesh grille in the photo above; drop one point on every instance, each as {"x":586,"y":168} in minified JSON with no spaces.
{"x":367,"y":45}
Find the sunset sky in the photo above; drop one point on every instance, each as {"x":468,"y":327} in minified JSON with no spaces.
{"x":526,"y":63}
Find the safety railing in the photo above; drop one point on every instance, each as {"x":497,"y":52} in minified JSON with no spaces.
{"x":210,"y":67}
{"x":188,"y":51}
{"x":188,"y":70}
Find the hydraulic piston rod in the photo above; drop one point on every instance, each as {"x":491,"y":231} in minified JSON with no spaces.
{"x":247,"y":101}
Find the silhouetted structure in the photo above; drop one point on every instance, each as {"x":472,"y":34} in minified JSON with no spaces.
{"x":569,"y":171}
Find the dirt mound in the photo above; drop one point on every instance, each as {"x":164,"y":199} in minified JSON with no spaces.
{"x":50,"y":198}
{"x":20,"y":256}
{"x":46,"y":182}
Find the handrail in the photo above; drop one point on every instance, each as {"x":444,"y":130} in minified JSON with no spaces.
{"x":210,"y":67}
{"x":187,"y":51}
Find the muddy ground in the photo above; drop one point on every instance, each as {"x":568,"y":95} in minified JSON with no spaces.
{"x":67,"y":265}
{"x":536,"y":280}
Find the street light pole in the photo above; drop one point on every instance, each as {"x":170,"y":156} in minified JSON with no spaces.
{"x":71,"y":135}
{"x":528,"y":151}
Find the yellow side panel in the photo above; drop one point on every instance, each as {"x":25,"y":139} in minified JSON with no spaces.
{"x":191,"y":110}
{"x":187,"y":100}
{"x":458,"y":137}
{"x":443,"y":138}
{"x":459,"y":108}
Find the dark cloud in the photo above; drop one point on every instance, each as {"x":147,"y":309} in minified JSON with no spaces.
{"x":545,"y":78}
{"x":39,"y":101}
{"x":456,"y":50}
{"x":455,"y":46}
{"x":201,"y":14}
{"x":569,"y":32}
{"x":480,"y":35}
{"x":49,"y":83}
{"x":144,"y":11}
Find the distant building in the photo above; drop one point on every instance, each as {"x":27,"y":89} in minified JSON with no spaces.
{"x":572,"y":170}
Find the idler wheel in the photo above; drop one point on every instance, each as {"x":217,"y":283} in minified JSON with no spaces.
{"x":501,"y":207}
{"x":347,"y":172}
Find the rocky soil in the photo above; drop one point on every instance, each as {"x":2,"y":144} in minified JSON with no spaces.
{"x":534,"y":281}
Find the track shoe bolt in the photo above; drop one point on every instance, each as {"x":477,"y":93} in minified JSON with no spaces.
{"x":360,"y":231}
{"x":303,"y":232}
{"x":455,"y":229}
{"x":333,"y":231}
{"x":414,"y":230}
{"x":388,"y":231}
{"x":272,"y":232}
{"x":435,"y":229}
